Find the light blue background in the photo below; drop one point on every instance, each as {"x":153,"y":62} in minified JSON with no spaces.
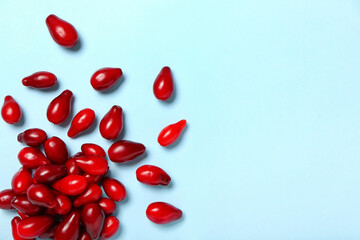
{"x":270,"y":89}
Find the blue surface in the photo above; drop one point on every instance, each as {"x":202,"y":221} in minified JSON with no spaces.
{"x":270,"y":90}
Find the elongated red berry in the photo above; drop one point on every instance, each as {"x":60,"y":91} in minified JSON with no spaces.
{"x":171,"y":133}
{"x":152,"y":175}
{"x":41,"y":195}
{"x":14,"y":227}
{"x":104,"y":78}
{"x":62,"y":32}
{"x":112,"y":123}
{"x":124,"y":151}
{"x":69,"y":228}
{"x":164,"y":86}
{"x":31,"y":157}
{"x":107,"y":205}
{"x":63,"y":203}
{"x":111,"y":226}
{"x":81,"y":122}
{"x":50,"y":173}
{"x":21,"y":181}
{"x":32,"y":137}
{"x":114,"y":189}
{"x":59,"y":108}
{"x":11,"y":111}
{"x":93,"y":165}
{"x":6,"y":196}
{"x":22,"y":204}
{"x":71,"y":167}
{"x":56,"y":150}
{"x":33,"y":227}
{"x":90,"y":195}
{"x":92,"y":217}
{"x":93,"y":149}
{"x":71,"y":185}
{"x":41,"y":80}
{"x":162,"y":213}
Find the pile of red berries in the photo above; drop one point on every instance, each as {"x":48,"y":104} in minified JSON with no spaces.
{"x":60,"y":197}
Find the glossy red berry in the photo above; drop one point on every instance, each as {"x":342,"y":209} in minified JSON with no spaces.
{"x":81,"y":122}
{"x":112,"y":123}
{"x":71,"y":185}
{"x":50,"y":173}
{"x":171,"y":133}
{"x":21,"y":180}
{"x":92,"y":217}
{"x":33,"y":137}
{"x":6,"y":196}
{"x":22,"y":204}
{"x":11,"y":111}
{"x":69,"y":228}
{"x":62,"y":32}
{"x":91,"y":195}
{"x":41,"y":195}
{"x":63,"y":203}
{"x":124,"y":151}
{"x":56,"y":150}
{"x":14,"y":227}
{"x":93,"y":149}
{"x":72,"y":168}
{"x":41,"y":80}
{"x":152,"y":175}
{"x":104,"y":78}
{"x":162,"y":213}
{"x":107,"y":205}
{"x":114,"y":189}
{"x":59,"y":108}
{"x":32,"y":157}
{"x":33,"y":227}
{"x":164,"y":86}
{"x":93,"y":165}
{"x":111,"y":226}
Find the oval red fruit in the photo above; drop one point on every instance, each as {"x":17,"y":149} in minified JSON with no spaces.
{"x":71,"y":167}
{"x":50,"y":173}
{"x":41,"y":195}
{"x":22,"y":204}
{"x":71,"y":185}
{"x":112,"y":123}
{"x":111,"y":226}
{"x":92,"y":217}
{"x":14,"y":226}
{"x":93,"y":149}
{"x":162,"y":213}
{"x":107,"y":205}
{"x":171,"y":133}
{"x":33,"y":227}
{"x":56,"y":150}
{"x":21,"y":181}
{"x":33,"y":137}
{"x":92,"y":194}
{"x":114,"y":189}
{"x":124,"y":151}
{"x":62,"y":32}
{"x":11,"y":111}
{"x":93,"y":165}
{"x":81,"y":122}
{"x":152,"y":175}
{"x":164,"y":86}
{"x":32,"y":157}
{"x":41,"y":80}
{"x":104,"y":78}
{"x":59,"y":108}
{"x":69,"y":228}
{"x":63,"y":203}
{"x":6,"y":196}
